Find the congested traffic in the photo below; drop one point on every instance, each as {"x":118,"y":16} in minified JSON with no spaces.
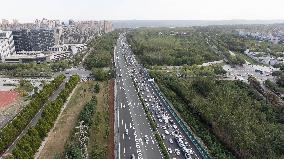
{"x":175,"y":139}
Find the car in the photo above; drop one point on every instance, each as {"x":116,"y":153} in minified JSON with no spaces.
{"x":146,"y":138}
{"x":175,"y":127}
{"x":187,"y":156}
{"x":126,"y":131}
{"x":177,"y":151}
{"x":164,"y":127}
{"x":190,"y":151}
{"x":163,"y":136}
{"x":170,"y":150}
{"x":160,"y":120}
{"x":167,"y":132}
{"x":132,"y":156}
{"x":171,"y":140}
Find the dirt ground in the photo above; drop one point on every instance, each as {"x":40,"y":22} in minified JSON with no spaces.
{"x":54,"y":147}
{"x":110,"y":151}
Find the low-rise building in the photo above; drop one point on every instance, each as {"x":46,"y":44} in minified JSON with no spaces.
{"x":26,"y":58}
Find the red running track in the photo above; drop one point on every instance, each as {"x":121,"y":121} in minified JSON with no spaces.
{"x":7,"y":97}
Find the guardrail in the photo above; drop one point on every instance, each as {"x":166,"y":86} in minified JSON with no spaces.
{"x":183,"y":125}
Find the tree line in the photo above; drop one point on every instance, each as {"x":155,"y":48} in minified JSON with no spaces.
{"x":9,"y":133}
{"x":73,"y":147}
{"x":28,"y":145}
{"x":157,"y":47}
{"x":231,"y":117}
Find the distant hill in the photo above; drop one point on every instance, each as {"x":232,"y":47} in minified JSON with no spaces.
{"x":185,"y":23}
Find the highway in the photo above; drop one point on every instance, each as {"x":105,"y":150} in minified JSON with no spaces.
{"x":178,"y":141}
{"x":135,"y":136}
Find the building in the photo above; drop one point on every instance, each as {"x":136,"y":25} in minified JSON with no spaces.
{"x":34,"y":40}
{"x":107,"y":26}
{"x":21,"y":39}
{"x":73,"y":48}
{"x":5,"y":22}
{"x":41,"y":39}
{"x":26,"y":58}
{"x":6,"y":44}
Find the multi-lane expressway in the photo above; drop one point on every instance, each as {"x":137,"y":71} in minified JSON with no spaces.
{"x":135,"y":137}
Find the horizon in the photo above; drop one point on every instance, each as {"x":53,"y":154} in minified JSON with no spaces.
{"x":29,"y":10}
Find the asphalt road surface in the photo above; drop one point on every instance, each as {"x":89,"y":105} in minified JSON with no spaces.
{"x":135,"y":136}
{"x":178,"y":143}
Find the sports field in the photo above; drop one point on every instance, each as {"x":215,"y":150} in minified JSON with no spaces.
{"x":7,"y":97}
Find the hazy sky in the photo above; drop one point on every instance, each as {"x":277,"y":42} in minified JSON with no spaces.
{"x":28,"y":10}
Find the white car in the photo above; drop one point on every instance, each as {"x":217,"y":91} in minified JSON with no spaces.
{"x":177,"y":151}
{"x":163,"y":137}
{"x":146,"y":139}
{"x":175,"y":127}
{"x":170,"y":150}
{"x":171,"y":140}
{"x":167,"y":132}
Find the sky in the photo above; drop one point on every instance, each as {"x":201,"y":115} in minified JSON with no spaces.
{"x":29,"y":10}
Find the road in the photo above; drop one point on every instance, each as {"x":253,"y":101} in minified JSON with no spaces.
{"x":135,"y":136}
{"x":177,"y":138}
{"x":36,"y":118}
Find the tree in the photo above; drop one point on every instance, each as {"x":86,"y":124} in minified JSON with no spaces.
{"x":203,"y":86}
{"x":99,"y":74}
{"x":25,"y":86}
{"x":97,"y":88}
{"x":280,"y":81}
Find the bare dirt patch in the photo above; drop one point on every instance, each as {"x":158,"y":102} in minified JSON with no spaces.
{"x":54,"y":147}
{"x":110,"y":151}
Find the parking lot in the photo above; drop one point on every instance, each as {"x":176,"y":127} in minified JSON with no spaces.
{"x":242,"y":73}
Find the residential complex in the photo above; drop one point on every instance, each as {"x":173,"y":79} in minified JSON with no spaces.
{"x":47,"y":40}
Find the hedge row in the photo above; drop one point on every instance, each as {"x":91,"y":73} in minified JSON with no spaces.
{"x":72,"y":146}
{"x":31,"y":141}
{"x":162,"y":146}
{"x":10,"y":132}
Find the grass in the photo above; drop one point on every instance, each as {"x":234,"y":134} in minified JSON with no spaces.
{"x":54,"y":147}
{"x":99,"y":132}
